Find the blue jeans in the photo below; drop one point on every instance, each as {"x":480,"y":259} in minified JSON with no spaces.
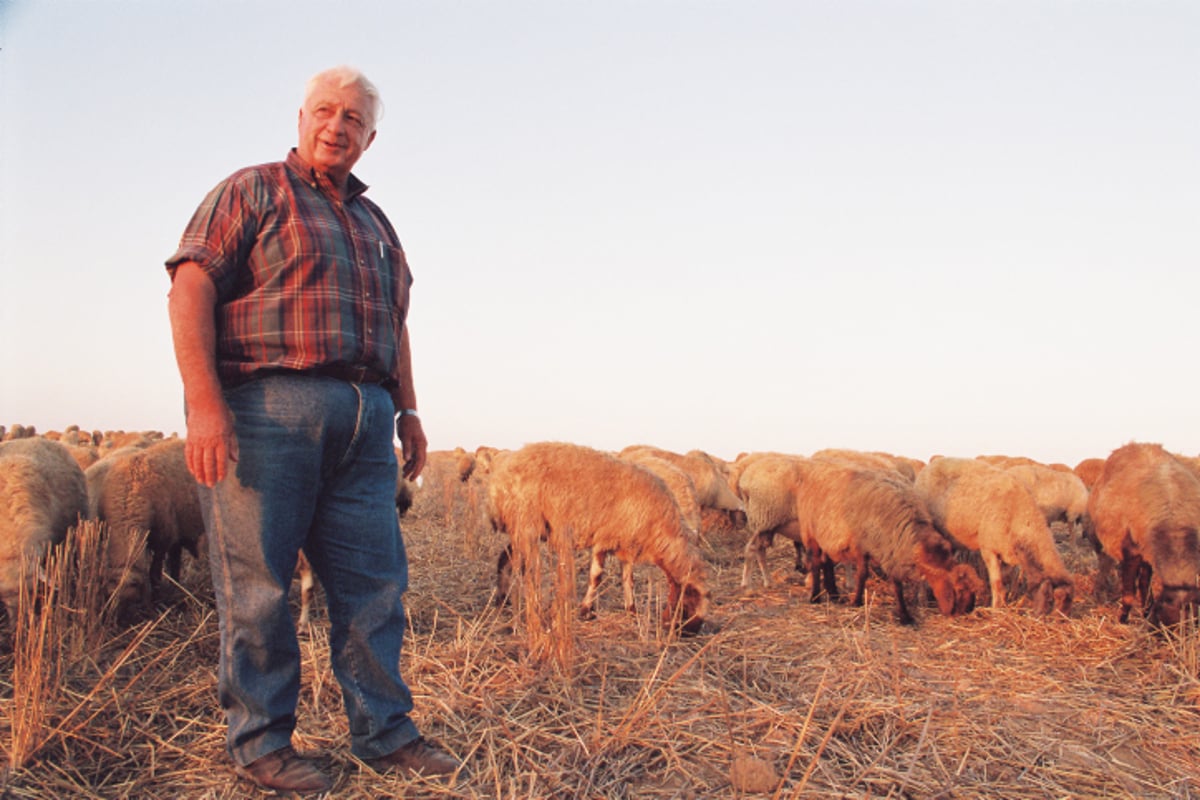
{"x":317,"y":470}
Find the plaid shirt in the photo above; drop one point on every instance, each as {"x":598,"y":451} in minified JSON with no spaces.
{"x":303,"y":280}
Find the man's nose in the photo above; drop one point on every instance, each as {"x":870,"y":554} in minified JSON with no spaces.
{"x":336,"y":122}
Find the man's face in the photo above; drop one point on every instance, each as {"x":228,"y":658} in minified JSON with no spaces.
{"x":336,"y":126}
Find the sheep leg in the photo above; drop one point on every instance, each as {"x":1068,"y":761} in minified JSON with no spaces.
{"x":1143,"y":585}
{"x":801,"y":558}
{"x":1130,"y":569}
{"x":157,"y":557}
{"x":860,"y":581}
{"x":755,"y":547}
{"x":902,"y":615}
{"x":829,"y":578}
{"x":306,"y":597}
{"x":995,"y":570}
{"x":504,"y":575}
{"x":595,"y":576}
{"x":817,"y":562}
{"x":627,"y":584}
{"x":1105,"y":566}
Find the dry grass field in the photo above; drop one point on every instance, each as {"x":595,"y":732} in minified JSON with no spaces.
{"x":780,"y":699}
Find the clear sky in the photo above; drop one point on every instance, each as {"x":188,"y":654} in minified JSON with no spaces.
{"x":950,"y":227}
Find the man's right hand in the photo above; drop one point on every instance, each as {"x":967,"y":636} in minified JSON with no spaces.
{"x":211,"y":444}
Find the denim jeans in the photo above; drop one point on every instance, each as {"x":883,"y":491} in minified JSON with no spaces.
{"x":317,"y":470}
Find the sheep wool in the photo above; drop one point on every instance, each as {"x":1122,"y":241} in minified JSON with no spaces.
{"x":1145,"y":512}
{"x":42,"y":495}
{"x":984,"y":508}
{"x":602,"y":503}
{"x":865,"y":516}
{"x":147,"y":490}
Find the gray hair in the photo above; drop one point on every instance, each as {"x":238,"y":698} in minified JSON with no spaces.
{"x":342,"y":77}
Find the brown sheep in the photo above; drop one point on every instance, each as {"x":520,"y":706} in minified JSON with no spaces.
{"x":876,"y":461}
{"x":148,"y":490}
{"x":683,"y":489}
{"x":604,"y":503}
{"x":986,"y":509}
{"x":42,"y":495}
{"x":1145,"y":512}
{"x":871,"y":516}
{"x":1089,"y":471}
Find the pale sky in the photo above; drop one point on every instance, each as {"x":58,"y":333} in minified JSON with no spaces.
{"x":948,"y":227}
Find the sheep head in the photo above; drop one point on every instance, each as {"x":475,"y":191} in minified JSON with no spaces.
{"x":1173,"y":604}
{"x":1056,"y":593}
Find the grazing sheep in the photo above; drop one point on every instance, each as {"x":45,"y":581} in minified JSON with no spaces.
{"x":1004,"y":461}
{"x":713,"y":490}
{"x":986,"y":509}
{"x":874,"y":516}
{"x":604,"y":503}
{"x":1061,"y":496}
{"x":683,"y":489}
{"x":147,"y":490}
{"x":1145,"y":512}
{"x":770,"y":485}
{"x":1089,"y":471}
{"x":865,"y":460}
{"x":42,"y":495}
{"x":84,"y":454}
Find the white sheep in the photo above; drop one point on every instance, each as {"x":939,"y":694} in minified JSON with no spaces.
{"x":1062,"y":496}
{"x":146,"y":490}
{"x":770,"y":485}
{"x":713,"y":489}
{"x":42,"y":495}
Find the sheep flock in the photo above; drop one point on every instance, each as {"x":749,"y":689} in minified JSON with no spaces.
{"x":923,"y":526}
{"x":945,"y":538}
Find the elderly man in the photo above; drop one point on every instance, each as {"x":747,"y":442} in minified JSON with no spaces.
{"x":288,"y":303}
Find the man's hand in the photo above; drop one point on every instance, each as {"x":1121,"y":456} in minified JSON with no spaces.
{"x":211,"y":443}
{"x":412,"y":444}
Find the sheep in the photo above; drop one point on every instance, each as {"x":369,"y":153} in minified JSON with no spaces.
{"x":1145,"y":512}
{"x":986,"y":509}
{"x":877,"y":461}
{"x":599,"y":501}
{"x":682,"y":487}
{"x":769,"y":484}
{"x":860,"y":516}
{"x":712,"y":488}
{"x":1062,"y":496}
{"x":147,"y":490}
{"x":1089,"y":471}
{"x":42,"y":495}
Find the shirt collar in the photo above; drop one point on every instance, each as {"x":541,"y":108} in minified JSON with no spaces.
{"x":354,"y":187}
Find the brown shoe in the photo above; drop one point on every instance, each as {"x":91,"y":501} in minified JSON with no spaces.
{"x":286,"y":771}
{"x":417,"y":756}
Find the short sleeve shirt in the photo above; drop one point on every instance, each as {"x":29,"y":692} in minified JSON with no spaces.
{"x":303,"y":278}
